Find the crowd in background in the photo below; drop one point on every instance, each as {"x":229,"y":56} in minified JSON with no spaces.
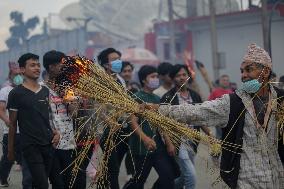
{"x":39,"y":125}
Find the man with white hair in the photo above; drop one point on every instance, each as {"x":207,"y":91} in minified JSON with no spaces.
{"x":254,"y":158}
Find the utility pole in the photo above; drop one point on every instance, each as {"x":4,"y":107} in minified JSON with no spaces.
{"x":191,"y":8}
{"x":250,"y":4}
{"x":265,"y":26}
{"x":84,"y":27}
{"x":214,"y":45}
{"x":242,"y":6}
{"x":172,"y":33}
{"x":160,"y":10}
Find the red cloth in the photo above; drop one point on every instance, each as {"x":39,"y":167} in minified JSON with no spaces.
{"x":219,"y":92}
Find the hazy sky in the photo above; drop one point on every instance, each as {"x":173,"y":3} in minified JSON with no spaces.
{"x":29,"y":8}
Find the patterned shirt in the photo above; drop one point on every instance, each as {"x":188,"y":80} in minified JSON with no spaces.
{"x":62,"y":122}
{"x":260,"y":164}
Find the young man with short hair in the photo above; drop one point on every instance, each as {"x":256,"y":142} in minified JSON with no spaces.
{"x":62,"y":120}
{"x":126,"y":74}
{"x":15,"y":79}
{"x":164,"y":70}
{"x":109,"y":59}
{"x":28,"y":104}
{"x":182,"y":94}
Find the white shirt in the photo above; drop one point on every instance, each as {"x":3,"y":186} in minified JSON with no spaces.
{"x":121,"y":80}
{"x":4,"y":93}
{"x":61,"y":121}
{"x":160,"y":91}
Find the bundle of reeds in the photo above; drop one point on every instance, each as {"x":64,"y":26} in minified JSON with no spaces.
{"x":87,"y":79}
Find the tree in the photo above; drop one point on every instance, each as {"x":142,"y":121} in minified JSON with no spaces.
{"x":21,"y":29}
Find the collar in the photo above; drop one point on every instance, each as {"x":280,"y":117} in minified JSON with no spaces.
{"x":248,"y":103}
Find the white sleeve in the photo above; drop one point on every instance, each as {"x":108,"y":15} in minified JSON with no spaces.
{"x":4,"y":94}
{"x":209,"y":113}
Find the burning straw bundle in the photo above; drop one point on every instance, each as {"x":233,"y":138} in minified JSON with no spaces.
{"x":280,"y":120}
{"x":89,"y":80}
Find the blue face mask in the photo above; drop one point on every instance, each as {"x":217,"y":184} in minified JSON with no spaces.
{"x":116,"y":66}
{"x":18,"y":80}
{"x":251,"y":86}
{"x":153,"y":83}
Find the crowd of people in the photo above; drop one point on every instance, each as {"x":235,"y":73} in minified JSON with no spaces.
{"x":40,"y":125}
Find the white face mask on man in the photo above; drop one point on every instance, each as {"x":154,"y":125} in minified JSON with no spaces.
{"x":252,"y":86}
{"x":116,"y":66}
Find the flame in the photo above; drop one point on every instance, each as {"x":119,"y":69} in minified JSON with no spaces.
{"x":73,"y":68}
{"x":69,"y":95}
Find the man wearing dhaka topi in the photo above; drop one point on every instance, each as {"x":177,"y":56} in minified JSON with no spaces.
{"x":249,"y":120}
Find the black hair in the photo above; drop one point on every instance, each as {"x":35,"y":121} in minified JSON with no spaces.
{"x":23,"y":59}
{"x":224,"y":75}
{"x":52,"y":57}
{"x":164,"y":68}
{"x":43,"y":74}
{"x":144,"y":72}
{"x":217,"y":82}
{"x":176,"y":68}
{"x":103,"y":56}
{"x":281,"y":79}
{"x":125,"y":64}
{"x":273,"y":74}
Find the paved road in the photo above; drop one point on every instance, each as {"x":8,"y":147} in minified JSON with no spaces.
{"x":207,"y":173}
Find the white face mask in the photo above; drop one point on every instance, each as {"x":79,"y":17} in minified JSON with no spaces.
{"x":153,"y":83}
{"x":252,"y":86}
{"x":18,"y":80}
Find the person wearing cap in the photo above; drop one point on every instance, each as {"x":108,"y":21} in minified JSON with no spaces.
{"x":254,"y":155}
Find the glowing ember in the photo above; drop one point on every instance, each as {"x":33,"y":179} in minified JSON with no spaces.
{"x":69,"y":96}
{"x":73,"y":68}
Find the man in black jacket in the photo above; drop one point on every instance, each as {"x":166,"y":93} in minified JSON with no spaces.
{"x":182,"y":94}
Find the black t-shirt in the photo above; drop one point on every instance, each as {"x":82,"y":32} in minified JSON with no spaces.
{"x":32,"y":115}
